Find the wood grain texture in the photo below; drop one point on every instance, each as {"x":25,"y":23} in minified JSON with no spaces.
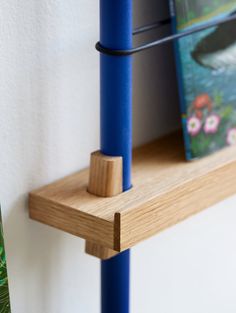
{"x":105,"y":178}
{"x":99,"y":251}
{"x":166,"y":190}
{"x":71,"y":220}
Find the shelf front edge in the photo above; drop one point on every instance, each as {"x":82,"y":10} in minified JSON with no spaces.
{"x":164,"y":211}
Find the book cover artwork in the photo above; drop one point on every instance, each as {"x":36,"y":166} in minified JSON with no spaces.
{"x":206,"y":66}
{"x":4,"y":290}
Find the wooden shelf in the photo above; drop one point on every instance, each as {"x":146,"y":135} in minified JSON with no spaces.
{"x":166,"y":190}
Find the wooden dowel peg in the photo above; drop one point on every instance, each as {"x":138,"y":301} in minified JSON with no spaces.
{"x":105,"y":178}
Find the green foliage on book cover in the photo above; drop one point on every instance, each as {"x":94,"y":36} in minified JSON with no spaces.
{"x":4,"y":290}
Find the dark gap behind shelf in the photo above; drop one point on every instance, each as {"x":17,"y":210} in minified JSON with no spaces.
{"x":155,"y":95}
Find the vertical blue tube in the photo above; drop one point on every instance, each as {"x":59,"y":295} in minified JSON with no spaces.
{"x":116,"y":132}
{"x":115,"y":283}
{"x":116,"y":83}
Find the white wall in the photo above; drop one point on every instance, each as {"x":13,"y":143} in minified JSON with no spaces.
{"x":48,"y":126}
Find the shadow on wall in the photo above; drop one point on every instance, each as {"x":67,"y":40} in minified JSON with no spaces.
{"x":156,"y":109}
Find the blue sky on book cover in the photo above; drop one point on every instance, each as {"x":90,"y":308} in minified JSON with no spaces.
{"x":206,"y":70}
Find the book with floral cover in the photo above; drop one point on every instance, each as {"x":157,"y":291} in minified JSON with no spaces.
{"x":4,"y":290}
{"x":206,"y":70}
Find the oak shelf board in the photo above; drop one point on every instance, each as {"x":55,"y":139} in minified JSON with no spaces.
{"x":166,"y":190}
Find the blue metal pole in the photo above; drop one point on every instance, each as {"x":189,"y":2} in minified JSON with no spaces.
{"x":115,"y":283}
{"x":116,"y":84}
{"x":116,"y":132}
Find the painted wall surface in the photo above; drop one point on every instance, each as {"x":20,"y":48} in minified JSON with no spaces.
{"x":49,"y":123}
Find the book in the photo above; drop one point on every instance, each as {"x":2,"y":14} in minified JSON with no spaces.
{"x":206,"y":74}
{"x":4,"y":289}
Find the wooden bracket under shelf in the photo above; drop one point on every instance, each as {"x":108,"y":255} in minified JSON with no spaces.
{"x":99,"y":251}
{"x":166,"y":190}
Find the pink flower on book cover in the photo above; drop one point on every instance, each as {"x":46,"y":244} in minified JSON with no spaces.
{"x":231,"y":136}
{"x":212,"y":124}
{"x":194,"y":125}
